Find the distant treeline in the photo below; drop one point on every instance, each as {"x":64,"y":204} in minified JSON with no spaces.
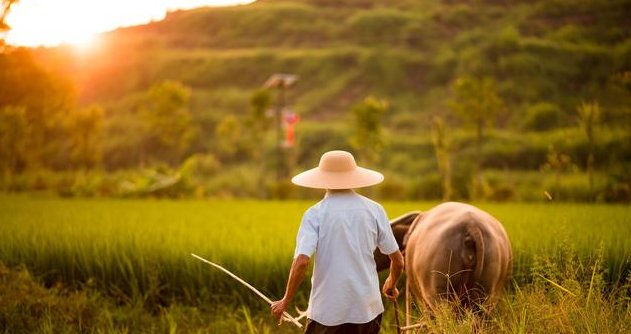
{"x":495,"y":100}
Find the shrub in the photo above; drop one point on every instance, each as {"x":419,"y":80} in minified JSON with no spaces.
{"x":26,"y":306}
{"x":618,"y":186}
{"x":237,"y":181}
{"x":503,"y":192}
{"x":378,"y":26}
{"x":317,"y":138}
{"x":572,"y":187}
{"x":405,"y":122}
{"x":282,"y":189}
{"x":393,"y":188}
{"x":199,"y":167}
{"x":153,"y":182}
{"x":543,"y":116}
{"x":426,"y":187}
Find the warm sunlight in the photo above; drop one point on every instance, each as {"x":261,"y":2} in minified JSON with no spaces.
{"x":48,"y":23}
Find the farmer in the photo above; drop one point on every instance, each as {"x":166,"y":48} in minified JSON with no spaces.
{"x":341,"y":232}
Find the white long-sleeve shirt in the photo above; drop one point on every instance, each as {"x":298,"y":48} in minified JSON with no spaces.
{"x":343,"y":230}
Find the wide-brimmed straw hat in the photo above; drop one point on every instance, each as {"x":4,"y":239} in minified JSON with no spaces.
{"x":337,"y":170}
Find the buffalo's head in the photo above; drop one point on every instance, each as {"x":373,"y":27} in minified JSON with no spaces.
{"x":400,"y":228}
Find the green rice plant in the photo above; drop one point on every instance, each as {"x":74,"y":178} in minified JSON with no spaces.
{"x":564,"y":306}
{"x":132,"y":257}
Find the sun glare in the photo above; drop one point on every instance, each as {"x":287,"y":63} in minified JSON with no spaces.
{"x":77,"y":22}
{"x":34,"y":35}
{"x":49,"y":23}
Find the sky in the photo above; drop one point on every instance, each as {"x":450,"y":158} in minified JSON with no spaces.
{"x":50,"y":23}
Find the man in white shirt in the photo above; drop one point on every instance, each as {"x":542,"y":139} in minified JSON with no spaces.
{"x":341,"y":232}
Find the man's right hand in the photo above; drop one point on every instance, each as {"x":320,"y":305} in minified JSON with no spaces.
{"x":278,"y":307}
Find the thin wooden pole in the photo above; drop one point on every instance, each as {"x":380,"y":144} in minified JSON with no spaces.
{"x":407,"y":302}
{"x":396,"y":315}
{"x":286,"y":315}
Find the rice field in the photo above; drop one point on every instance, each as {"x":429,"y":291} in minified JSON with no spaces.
{"x":138,"y":251}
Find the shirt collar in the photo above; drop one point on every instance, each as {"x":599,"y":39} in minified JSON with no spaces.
{"x":343,"y":192}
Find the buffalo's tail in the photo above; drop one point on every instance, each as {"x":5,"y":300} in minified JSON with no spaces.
{"x":473,"y":260}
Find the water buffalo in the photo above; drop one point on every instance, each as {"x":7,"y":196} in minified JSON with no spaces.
{"x":454,"y":251}
{"x":400,"y":227}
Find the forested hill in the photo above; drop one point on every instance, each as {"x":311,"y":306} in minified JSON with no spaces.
{"x":535,"y":64}
{"x":410,"y":52}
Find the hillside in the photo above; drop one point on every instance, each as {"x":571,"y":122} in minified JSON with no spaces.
{"x":410,"y":52}
{"x":545,"y":58}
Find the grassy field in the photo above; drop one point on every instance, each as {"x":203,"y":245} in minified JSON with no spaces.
{"x":124,"y":265}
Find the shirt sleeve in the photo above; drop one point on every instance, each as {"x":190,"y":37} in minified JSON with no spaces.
{"x":386,"y":242}
{"x":307,"y":239}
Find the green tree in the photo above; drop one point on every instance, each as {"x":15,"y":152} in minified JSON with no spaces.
{"x":45,"y":96}
{"x":442,"y":148}
{"x":257,"y":125}
{"x":228,"y":133}
{"x":14,"y":134}
{"x":477,"y":103}
{"x":367,"y":137}
{"x":85,"y":128}
{"x":542,"y":116}
{"x":589,"y":117}
{"x":258,"y":122}
{"x":558,"y":163}
{"x":170,"y":126}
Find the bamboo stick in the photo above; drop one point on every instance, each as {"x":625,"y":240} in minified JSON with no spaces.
{"x":286,"y":316}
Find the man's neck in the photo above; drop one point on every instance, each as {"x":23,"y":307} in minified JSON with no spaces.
{"x":330,"y":192}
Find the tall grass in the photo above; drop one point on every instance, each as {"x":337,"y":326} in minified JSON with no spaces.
{"x":135,"y":248}
{"x":137,"y":252}
{"x":570,"y":296}
{"x":557,"y":230}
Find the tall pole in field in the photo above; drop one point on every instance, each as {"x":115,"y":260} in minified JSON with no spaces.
{"x":280,"y":161}
{"x":281,"y":82}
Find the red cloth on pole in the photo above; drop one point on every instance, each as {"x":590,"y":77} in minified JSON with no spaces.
{"x":290,"y":119}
